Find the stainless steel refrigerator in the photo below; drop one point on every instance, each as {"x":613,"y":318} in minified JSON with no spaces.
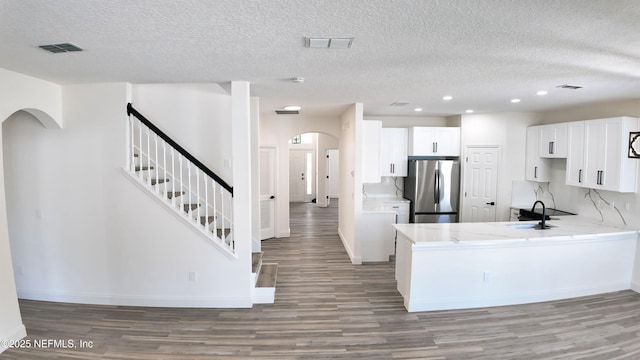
{"x":433,"y":186}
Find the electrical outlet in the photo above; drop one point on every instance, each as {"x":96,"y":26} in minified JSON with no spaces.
{"x":486,"y":276}
{"x":193,"y":276}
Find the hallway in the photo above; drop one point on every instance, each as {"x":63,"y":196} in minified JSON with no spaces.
{"x":327,"y":308}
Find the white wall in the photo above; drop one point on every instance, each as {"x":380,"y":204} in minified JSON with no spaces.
{"x":507,"y":130}
{"x":82,"y":232}
{"x":43,"y":99}
{"x":275,"y":131}
{"x":196,"y":116}
{"x":350,"y":184}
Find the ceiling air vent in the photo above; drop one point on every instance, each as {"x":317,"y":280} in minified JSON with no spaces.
{"x":399,"y":104}
{"x":60,"y":48}
{"x":287,"y":112}
{"x":570,"y":87}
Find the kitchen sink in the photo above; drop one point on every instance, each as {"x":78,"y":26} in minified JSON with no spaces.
{"x":528,"y":226}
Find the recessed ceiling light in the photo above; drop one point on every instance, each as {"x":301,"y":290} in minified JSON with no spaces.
{"x":469,"y":111}
{"x":542,"y":92}
{"x":515,"y":101}
{"x":447,"y":97}
{"x":417,"y":109}
{"x":292,"y":108}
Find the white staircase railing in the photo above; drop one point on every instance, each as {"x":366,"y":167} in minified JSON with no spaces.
{"x":180,"y":180}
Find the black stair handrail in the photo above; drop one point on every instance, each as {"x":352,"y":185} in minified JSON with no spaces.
{"x":180,"y":149}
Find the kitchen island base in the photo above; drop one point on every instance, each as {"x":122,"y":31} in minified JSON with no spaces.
{"x":472,"y":274}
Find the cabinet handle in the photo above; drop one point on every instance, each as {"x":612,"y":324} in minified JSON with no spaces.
{"x":580,"y":176}
{"x":391,"y":168}
{"x":535,"y":172}
{"x":552,"y":147}
{"x":600,"y":178}
{"x":434,"y":147}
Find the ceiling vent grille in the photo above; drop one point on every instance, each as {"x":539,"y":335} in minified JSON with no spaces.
{"x":570,"y":87}
{"x":397,"y":103}
{"x":287,"y":112}
{"x":60,"y":48}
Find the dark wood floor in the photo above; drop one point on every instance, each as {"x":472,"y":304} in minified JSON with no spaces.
{"x":327,"y":308}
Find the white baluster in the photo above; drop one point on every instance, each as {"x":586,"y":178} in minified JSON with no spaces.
{"x":132,"y":159}
{"x":198,"y":190}
{"x":140,"y":147}
{"x":148,"y":155}
{"x":206,"y":204}
{"x":223,"y":215}
{"x":156,"y":163}
{"x":181,"y":184}
{"x":164,"y":165}
{"x":215,"y":209}
{"x":173,"y":177}
{"x":189,"y":192}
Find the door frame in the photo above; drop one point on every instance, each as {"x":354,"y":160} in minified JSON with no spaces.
{"x":274,"y":174}
{"x":312,"y":151}
{"x":463,"y":175}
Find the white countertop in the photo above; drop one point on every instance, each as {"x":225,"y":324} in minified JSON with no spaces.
{"x":381,"y":203}
{"x":575,"y":227}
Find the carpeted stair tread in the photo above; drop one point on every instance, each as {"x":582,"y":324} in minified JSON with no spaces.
{"x":145,"y":167}
{"x":268,"y":276}
{"x":158,"y":181}
{"x":171,"y":195}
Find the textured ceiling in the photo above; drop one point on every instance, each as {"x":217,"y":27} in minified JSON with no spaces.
{"x":483,"y":53}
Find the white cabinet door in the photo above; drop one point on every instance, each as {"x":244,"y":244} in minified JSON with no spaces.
{"x":371,"y":151}
{"x":552,"y":142}
{"x":447,"y":141}
{"x":575,"y":153}
{"x":434,"y":141}
{"x":607,"y":166}
{"x":536,"y":168}
{"x":597,"y":154}
{"x":393,"y":152}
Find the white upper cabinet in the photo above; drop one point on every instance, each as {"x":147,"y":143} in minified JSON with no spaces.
{"x":552,"y":141}
{"x":434,"y":141}
{"x":536,"y":168}
{"x":575,"y":153}
{"x":597,"y":154}
{"x":393,"y":152}
{"x":371,"y":151}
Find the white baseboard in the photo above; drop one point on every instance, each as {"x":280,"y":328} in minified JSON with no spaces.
{"x":284,"y":234}
{"x":470,"y":303}
{"x":356,"y":260}
{"x":136,"y":300}
{"x":635,"y":287}
{"x":12,"y":335}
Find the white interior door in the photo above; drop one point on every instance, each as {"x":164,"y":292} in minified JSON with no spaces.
{"x":301,"y":177}
{"x":267,"y":193}
{"x":333,"y":157}
{"x":481,"y":183}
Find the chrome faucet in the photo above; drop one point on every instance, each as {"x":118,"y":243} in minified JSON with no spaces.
{"x":544,"y":214}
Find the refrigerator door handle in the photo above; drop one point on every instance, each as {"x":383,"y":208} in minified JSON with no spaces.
{"x":436,"y":197}
{"x":438,"y":182}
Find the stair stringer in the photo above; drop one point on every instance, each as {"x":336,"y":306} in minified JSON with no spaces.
{"x":183,"y":216}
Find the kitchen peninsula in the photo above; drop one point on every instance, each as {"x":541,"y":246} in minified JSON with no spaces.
{"x":469,"y":265}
